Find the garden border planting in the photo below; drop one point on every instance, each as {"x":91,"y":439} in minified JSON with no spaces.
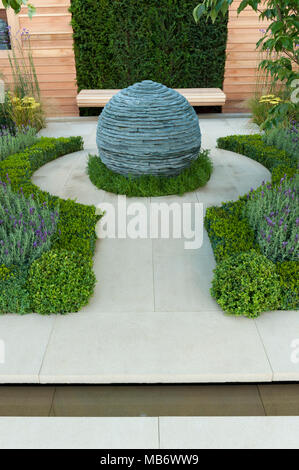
{"x":277,"y":161}
{"x":73,"y":244}
{"x":235,"y":245}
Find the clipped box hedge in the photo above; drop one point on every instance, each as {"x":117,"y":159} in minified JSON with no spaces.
{"x":236,"y":250}
{"x":277,"y":161}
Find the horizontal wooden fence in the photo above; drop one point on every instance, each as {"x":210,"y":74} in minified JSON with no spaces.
{"x":242,"y":58}
{"x":52,"y":45}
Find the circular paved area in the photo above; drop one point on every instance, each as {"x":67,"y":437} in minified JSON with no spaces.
{"x":152,"y":318}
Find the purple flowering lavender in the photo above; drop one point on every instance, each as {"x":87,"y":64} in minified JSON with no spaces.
{"x":10,"y":143}
{"x":285,"y":139}
{"x":27,"y":227}
{"x":270,"y":221}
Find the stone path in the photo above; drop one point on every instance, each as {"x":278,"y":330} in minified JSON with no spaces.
{"x":152,"y":318}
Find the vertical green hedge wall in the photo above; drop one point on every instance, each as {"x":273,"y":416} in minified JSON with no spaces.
{"x":120,"y":42}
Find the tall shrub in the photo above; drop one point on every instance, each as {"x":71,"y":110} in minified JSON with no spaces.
{"x":124,"y":41}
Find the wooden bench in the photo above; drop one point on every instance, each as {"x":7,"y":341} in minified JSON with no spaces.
{"x":195,"y":96}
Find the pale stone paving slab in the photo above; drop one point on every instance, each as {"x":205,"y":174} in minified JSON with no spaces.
{"x":79,"y":433}
{"x":166,"y":347}
{"x":280,"y":334}
{"x":25,"y":340}
{"x":124,"y":271}
{"x":187,"y":288}
{"x":258,"y":432}
{"x":150,"y":433}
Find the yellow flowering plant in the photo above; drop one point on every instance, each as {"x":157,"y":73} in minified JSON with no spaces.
{"x":280,"y":112}
{"x":25,"y":111}
{"x":271,"y":99}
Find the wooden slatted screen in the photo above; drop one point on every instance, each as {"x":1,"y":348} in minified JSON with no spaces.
{"x":52,"y":46}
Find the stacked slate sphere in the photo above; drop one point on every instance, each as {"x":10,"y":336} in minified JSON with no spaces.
{"x":148,"y":129}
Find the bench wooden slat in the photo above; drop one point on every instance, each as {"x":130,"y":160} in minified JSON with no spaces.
{"x":195,"y":96}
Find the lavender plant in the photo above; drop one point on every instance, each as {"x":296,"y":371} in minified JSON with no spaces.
{"x":5,"y":131}
{"x":273,"y":213}
{"x":10,"y":144}
{"x":285,"y":139}
{"x":26,"y":227}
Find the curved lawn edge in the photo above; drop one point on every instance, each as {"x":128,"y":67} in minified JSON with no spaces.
{"x":77,"y":222}
{"x":228,"y":230}
{"x":191,"y":179}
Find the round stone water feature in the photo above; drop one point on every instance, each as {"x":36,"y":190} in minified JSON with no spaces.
{"x":148,"y":129}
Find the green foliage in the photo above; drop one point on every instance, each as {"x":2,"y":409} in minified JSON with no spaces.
{"x":278,"y":161}
{"x":279,"y":42}
{"x":228,"y":230}
{"x":280,"y":114}
{"x":48,"y":149}
{"x":75,"y":230}
{"x":267,"y":96}
{"x":21,"y":166}
{"x":272,"y":213}
{"x":253,"y":147}
{"x":246,"y":284}
{"x":77,"y":227}
{"x":60,"y":282}
{"x":125,"y":41}
{"x":280,"y":38}
{"x":5,"y":273}
{"x":190,"y":179}
{"x":17,"y":168}
{"x":17,"y":4}
{"x":25,"y":82}
{"x":289,"y":281}
{"x":14,"y":297}
{"x":240,"y":285}
{"x":282,"y":171}
{"x":259,"y":110}
{"x":26,"y":228}
{"x":6,"y":123}
{"x":10,"y":144}
{"x":284,"y":139}
{"x":25,"y":100}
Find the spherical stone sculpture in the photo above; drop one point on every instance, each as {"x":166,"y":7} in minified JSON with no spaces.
{"x":148,"y":129}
